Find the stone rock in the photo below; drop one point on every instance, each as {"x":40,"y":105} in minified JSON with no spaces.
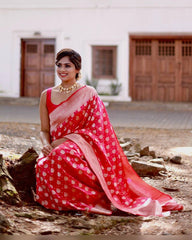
{"x":38,"y":215}
{"x":126,"y":146}
{"x":4,"y":224}
{"x":137,"y":147}
{"x":121,"y":140}
{"x":145,"y":152}
{"x":80,"y":223}
{"x":49,"y":231}
{"x":147,"y":168}
{"x":152,"y":154}
{"x":130,"y":159}
{"x":157,"y":160}
{"x":146,"y":158}
{"x":3,"y":221}
{"x":176,"y":159}
{"x":171,"y":189}
{"x":130,"y":154}
{"x":131,"y":145}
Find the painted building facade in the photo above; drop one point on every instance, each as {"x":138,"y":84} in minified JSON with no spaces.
{"x":143,"y":46}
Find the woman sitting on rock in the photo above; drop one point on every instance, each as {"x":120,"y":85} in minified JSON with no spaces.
{"x":82,"y":166}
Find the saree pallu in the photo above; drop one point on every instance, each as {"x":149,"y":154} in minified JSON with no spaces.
{"x":90,"y":168}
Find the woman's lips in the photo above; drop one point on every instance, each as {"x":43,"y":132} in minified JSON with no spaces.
{"x":63,"y":75}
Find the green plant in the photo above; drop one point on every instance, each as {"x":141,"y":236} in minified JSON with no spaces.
{"x":92,"y":82}
{"x":115,"y":88}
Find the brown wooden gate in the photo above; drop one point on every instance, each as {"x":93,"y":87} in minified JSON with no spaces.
{"x":37,"y":66}
{"x":161,"y":68}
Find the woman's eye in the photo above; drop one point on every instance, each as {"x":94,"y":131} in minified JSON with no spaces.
{"x":58,"y":65}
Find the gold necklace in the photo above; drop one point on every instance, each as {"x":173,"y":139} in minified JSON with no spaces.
{"x":67,"y":90}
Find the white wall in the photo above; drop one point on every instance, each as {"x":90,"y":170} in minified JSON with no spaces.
{"x":81,"y":23}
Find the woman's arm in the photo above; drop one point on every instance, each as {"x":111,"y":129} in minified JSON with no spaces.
{"x":45,"y":125}
{"x":57,"y":142}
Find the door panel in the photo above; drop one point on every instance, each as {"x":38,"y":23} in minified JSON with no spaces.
{"x":166,"y":93}
{"x":38,"y":68}
{"x":142,"y":89}
{"x":31,"y":69}
{"x":31,"y":87}
{"x":166,"y":70}
{"x":186,"y":81}
{"x":48,"y":55}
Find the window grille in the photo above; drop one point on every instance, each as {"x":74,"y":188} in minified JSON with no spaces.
{"x":32,"y":48}
{"x":187,"y":48}
{"x":166,"y":47}
{"x":48,"y":48}
{"x":143,"y":47}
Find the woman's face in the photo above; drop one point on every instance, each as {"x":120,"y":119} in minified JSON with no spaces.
{"x":66,"y":70}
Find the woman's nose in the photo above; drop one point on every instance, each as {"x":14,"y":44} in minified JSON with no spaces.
{"x":63,"y":68}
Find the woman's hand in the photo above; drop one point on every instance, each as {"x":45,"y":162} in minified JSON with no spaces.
{"x":46,"y":149}
{"x":57,"y":142}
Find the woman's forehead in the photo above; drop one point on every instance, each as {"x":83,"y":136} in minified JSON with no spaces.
{"x":64,"y":60}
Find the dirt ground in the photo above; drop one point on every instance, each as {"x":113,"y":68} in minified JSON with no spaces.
{"x":15,"y":139}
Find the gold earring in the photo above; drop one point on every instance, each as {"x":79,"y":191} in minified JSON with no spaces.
{"x":78,"y":76}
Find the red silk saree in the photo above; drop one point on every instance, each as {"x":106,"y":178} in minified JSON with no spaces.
{"x":90,"y":168}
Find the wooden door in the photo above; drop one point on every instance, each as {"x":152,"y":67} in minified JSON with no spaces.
{"x":161,"y":69}
{"x":37,"y":66}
